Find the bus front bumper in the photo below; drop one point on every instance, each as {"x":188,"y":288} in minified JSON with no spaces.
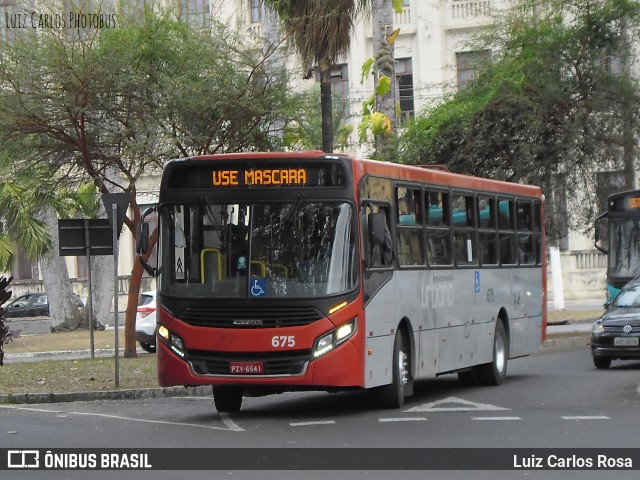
{"x":340,"y":368}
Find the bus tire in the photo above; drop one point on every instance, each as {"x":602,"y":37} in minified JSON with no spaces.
{"x":602,"y":362}
{"x":227,"y":399}
{"x":495,"y":372}
{"x":392,"y":395}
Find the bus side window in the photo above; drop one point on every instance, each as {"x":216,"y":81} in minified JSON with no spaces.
{"x":487,"y":236}
{"x":464,"y":235}
{"x":526,"y":248}
{"x":439,"y":239}
{"x":439,"y":250}
{"x":507,"y":236}
{"x":437,"y":209}
{"x":379,"y":241}
{"x":409,"y":226}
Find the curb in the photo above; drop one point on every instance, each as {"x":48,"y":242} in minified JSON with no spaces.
{"x":128,"y":394}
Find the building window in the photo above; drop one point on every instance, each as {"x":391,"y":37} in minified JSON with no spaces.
{"x":256,"y":11}
{"x":469,"y":65}
{"x":24,"y":268}
{"x":340,"y":90}
{"x":404,"y":82}
{"x":133,"y":8}
{"x":195,"y":12}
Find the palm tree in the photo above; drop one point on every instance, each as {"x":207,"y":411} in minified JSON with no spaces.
{"x":19,"y":224}
{"x":321,"y":32}
{"x":29,"y":198}
{"x":384,"y":54}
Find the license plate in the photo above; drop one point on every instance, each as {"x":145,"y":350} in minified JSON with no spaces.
{"x":626,"y":341}
{"x":246,"y":368}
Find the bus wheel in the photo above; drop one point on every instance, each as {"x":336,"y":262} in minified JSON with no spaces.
{"x":227,"y":399}
{"x":602,"y":362}
{"x":392,"y":395}
{"x":494,"y":373}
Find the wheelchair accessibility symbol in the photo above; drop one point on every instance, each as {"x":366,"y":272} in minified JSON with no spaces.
{"x":258,"y":287}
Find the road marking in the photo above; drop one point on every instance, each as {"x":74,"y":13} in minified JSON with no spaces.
{"x":586,"y":417}
{"x":406,"y":419}
{"x":498,"y":419}
{"x":311,"y":424}
{"x":230,"y":425}
{"x":459,"y":405}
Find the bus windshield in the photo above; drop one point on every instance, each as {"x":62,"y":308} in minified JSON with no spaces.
{"x":257,"y":250}
{"x":624,"y":254}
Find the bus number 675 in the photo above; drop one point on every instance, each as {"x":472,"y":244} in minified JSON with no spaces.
{"x":282,"y":341}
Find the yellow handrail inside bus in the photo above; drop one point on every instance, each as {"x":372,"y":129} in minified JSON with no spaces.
{"x":218,"y":254}
{"x":276,"y":266}
{"x":262,"y":265}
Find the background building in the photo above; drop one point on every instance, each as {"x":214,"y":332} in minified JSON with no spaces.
{"x":432,"y":57}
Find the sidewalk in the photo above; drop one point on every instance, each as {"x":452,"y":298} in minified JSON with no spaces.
{"x":575,"y":305}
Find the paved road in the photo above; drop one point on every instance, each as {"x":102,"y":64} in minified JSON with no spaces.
{"x":552,"y":400}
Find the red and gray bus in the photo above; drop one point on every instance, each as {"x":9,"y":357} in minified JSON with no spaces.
{"x":307,"y":271}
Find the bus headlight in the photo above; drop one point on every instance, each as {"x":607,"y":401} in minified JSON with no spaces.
{"x":335,"y":337}
{"x":174,"y":342}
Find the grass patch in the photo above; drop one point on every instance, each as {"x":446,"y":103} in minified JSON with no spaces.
{"x":97,"y":374}
{"x":63,"y":341}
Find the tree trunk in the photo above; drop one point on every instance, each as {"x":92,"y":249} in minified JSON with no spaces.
{"x":102,"y":286}
{"x":382,"y":28}
{"x":326,"y":106}
{"x":62,"y":309}
{"x":130,"y":313}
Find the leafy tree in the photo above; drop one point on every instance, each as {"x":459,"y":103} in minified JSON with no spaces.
{"x":19,"y":224}
{"x":108,"y":106}
{"x":379,"y":112}
{"x":305,"y":133}
{"x":29,"y":199}
{"x":550,"y":108}
{"x":321,"y":32}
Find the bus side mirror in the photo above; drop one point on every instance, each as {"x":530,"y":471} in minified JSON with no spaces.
{"x":602,"y":234}
{"x":142,"y":238}
{"x":142,"y":241}
{"x":377,"y":226}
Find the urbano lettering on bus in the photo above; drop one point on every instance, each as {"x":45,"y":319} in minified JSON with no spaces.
{"x":438,"y":296}
{"x":277,"y":176}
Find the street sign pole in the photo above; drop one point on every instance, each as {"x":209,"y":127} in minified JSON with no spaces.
{"x":89,"y":237}
{"x":89,"y":300}
{"x":115,"y":293}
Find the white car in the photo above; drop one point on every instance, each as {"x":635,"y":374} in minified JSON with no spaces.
{"x":146,"y":321}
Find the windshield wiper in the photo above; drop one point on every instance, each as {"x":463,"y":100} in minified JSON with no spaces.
{"x":209,"y":212}
{"x":295,"y":208}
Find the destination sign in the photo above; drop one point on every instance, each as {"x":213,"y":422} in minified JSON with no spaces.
{"x":634,"y":202}
{"x":624,"y":202}
{"x":262,"y":177}
{"x":203,"y":174}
